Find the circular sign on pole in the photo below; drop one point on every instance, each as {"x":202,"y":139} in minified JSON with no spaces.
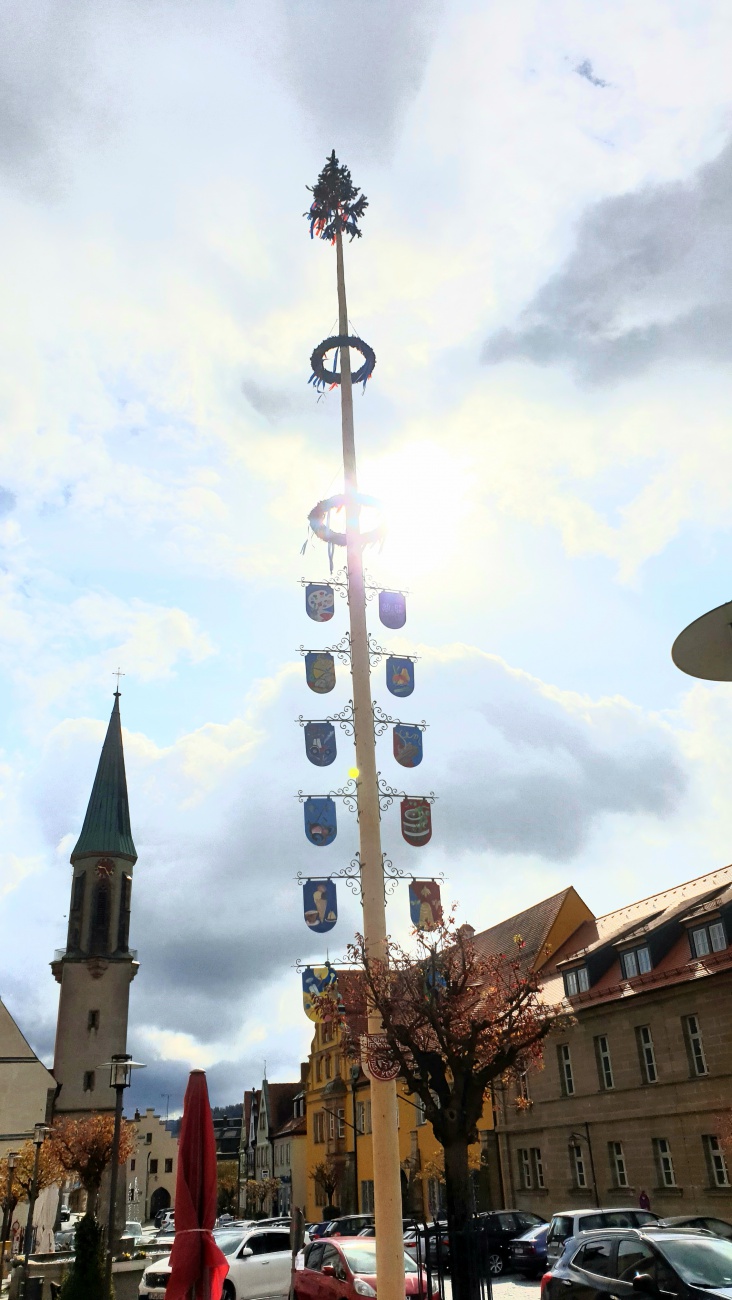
{"x":704,"y":648}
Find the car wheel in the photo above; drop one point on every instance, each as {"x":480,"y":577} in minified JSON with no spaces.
{"x":495,"y":1264}
{"x":228,"y":1292}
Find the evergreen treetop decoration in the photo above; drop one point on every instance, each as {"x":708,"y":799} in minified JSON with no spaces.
{"x":337,"y":203}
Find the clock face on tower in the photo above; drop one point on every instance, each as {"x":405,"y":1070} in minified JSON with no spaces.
{"x":104,"y":869}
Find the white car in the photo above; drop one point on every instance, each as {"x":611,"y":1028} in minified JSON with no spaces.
{"x":260,"y":1265}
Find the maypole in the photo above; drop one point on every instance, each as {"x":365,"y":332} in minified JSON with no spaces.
{"x":337,"y":207}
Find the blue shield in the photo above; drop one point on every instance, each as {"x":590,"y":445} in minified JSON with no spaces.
{"x":320,"y":905}
{"x":319,"y":598}
{"x":320,"y":821}
{"x":399,"y":676}
{"x":317,"y":980}
{"x":320,"y":743}
{"x":407,"y":745}
{"x":392,"y":608}
{"x":320,"y":671}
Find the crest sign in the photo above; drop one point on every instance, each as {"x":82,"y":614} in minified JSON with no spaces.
{"x":317,"y":980}
{"x":416,"y":821}
{"x":319,"y":601}
{"x":399,"y":676}
{"x":407,"y":745}
{"x":320,"y":820}
{"x":320,"y":905}
{"x":425,"y":904}
{"x":393,"y":608}
{"x":320,"y":743}
{"x":376,"y":1059}
{"x":320,"y":671}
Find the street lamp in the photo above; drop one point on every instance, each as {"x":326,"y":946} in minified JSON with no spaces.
{"x":39,"y":1136}
{"x":120,"y":1077}
{"x":704,"y":648}
{"x":573,"y":1140}
{"x":12,"y":1157}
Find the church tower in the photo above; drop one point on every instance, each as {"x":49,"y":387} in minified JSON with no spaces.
{"x":97,"y":967}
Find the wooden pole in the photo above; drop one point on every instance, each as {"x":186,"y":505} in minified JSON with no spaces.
{"x":385,"y":1133}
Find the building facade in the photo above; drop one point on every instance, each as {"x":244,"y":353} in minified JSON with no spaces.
{"x":637,"y":1094}
{"x":152,"y":1170}
{"x":27,"y":1087}
{"x":271,"y":1147}
{"x":97,"y":966}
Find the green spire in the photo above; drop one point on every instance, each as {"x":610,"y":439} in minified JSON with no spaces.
{"x":106,"y":826}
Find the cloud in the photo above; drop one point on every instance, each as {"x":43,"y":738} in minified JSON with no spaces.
{"x":649,"y":280}
{"x":585,"y":69}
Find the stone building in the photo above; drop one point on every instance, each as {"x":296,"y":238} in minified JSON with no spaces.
{"x":636,"y":1095}
{"x":27,"y":1087}
{"x":152,"y":1170}
{"x":97,"y":966}
{"x":269,"y":1146}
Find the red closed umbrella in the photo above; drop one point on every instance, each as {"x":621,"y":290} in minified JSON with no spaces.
{"x":198,"y":1266}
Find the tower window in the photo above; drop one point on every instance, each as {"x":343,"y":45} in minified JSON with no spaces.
{"x":100,"y":917}
{"x":148,"y":1139}
{"x":168,"y":1164}
{"x":123,"y":929}
{"x":89,"y":1080}
{"x":153,"y":1166}
{"x":93,"y":1020}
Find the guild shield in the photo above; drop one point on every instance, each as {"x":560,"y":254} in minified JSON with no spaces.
{"x":320,"y":671}
{"x":407,"y":745}
{"x":416,"y":821}
{"x":399,"y":676}
{"x":376,"y":1058}
{"x":425,"y":904}
{"x":392,"y":608}
{"x":319,"y":598}
{"x":317,"y":980}
{"x":320,"y":743}
{"x":320,"y":821}
{"x":320,"y":905}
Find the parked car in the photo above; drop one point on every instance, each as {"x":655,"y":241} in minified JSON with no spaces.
{"x":651,"y":1262}
{"x":429,"y":1243}
{"x":162,"y":1242}
{"x":64,"y":1238}
{"x":348,"y":1225}
{"x":345,"y":1267}
{"x":719,"y":1227}
{"x":162,"y":1217}
{"x":320,"y":1229}
{"x":260,"y":1264}
{"x":570,"y":1222}
{"x":528,"y":1253}
{"x":133,"y":1228}
{"x":498,"y":1229}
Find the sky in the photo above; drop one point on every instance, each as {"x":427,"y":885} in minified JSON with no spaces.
{"x":545,"y":276}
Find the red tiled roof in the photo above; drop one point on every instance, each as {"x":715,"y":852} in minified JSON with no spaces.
{"x":280,"y":1097}
{"x":533,"y":925}
{"x":293,"y":1127}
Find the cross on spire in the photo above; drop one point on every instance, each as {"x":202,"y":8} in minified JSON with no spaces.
{"x":118,"y":674}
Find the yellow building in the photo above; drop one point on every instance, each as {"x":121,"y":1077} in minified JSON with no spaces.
{"x":337,"y":1094}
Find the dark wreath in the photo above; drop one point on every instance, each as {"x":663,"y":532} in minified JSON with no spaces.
{"x":322,"y":377}
{"x":322,"y":530}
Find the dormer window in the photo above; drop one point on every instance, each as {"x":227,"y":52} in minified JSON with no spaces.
{"x":708,"y":938}
{"x":637,"y":961}
{"x":576,"y":981}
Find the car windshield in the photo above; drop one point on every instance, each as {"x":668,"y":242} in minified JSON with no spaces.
{"x":230,"y":1243}
{"x":706,"y":1262}
{"x":362,"y":1258}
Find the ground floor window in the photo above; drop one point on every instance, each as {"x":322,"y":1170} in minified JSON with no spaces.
{"x":367,"y":1196}
{"x":436,"y":1196}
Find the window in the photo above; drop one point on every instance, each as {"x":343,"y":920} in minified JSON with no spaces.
{"x":596,"y":1257}
{"x":319,"y":1070}
{"x":168,"y":1164}
{"x":367,"y":1196}
{"x":341,"y":1126}
{"x":363,"y":1116}
{"x":576,"y":981}
{"x":566,"y":1078}
{"x":153,"y":1166}
{"x":636,"y":962}
{"x":717,"y":1165}
{"x":708,"y":938}
{"x":617,"y":1164}
{"x":326,"y":1031}
{"x":89,"y":1080}
{"x":420,"y":1116}
{"x":331,"y":1124}
{"x":92,"y":1020}
{"x":328,"y":1065}
{"x":320,"y":1194}
{"x":132,"y":1166}
{"x":524,"y":1163}
{"x":319,"y":1129}
{"x":664,"y":1163}
{"x":647,"y":1054}
{"x":523,"y":1086}
{"x":694,"y":1045}
{"x":336,"y":1065}
{"x":604,"y":1064}
{"x":537,"y":1166}
{"x":633,"y":1257}
{"x":577,"y":1163}
{"x":148,"y":1139}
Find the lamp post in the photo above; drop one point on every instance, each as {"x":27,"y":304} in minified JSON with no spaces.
{"x":39,"y":1137}
{"x":12,"y":1157}
{"x":120,"y":1076}
{"x":574,"y":1139}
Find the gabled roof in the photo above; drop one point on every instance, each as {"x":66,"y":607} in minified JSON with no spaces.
{"x":280,"y":1097}
{"x":106,"y":826}
{"x":533,"y":925}
{"x":293,"y":1128}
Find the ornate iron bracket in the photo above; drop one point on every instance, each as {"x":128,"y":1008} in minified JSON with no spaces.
{"x":351,"y":874}
{"x":342,"y":649}
{"x":347,"y":792}
{"x":344,"y":719}
{"x":383,"y":720}
{"x":377,"y":652}
{"x":340,"y":582}
{"x":388,"y":793}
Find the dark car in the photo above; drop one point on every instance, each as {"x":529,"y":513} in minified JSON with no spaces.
{"x":497,"y":1231}
{"x":320,"y":1229}
{"x":528,"y":1253}
{"x":652,"y":1262}
{"x":429,"y":1243}
{"x":707,"y":1222}
{"x":348,"y":1225}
